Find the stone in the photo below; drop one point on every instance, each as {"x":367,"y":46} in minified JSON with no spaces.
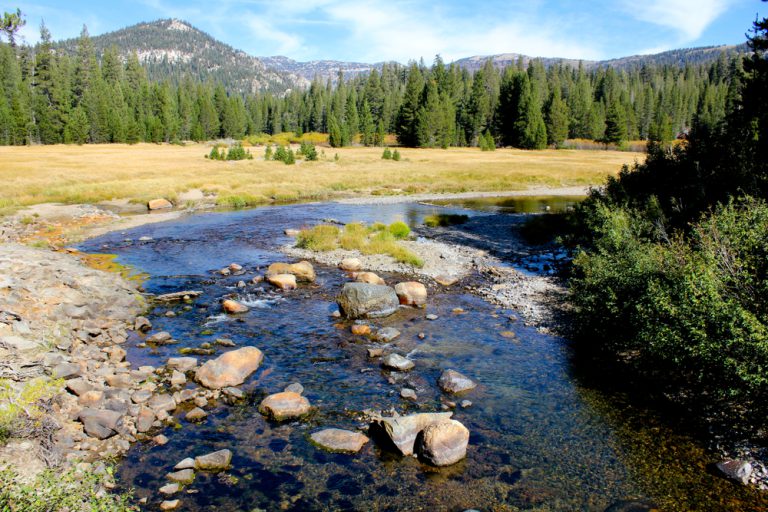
{"x":339,"y":440}
{"x":100,"y":423}
{"x":399,"y":433}
{"x":351,"y":264}
{"x":283,"y":281}
{"x":230,"y":368}
{"x":432,"y":317}
{"x":235,"y":267}
{"x":160,"y":440}
{"x":387,"y":334}
{"x":145,"y":419}
{"x":79,"y":386}
{"x":66,"y":371}
{"x":184,"y":476}
{"x":375,"y":352}
{"x":446,"y":280}
{"x":159,"y":204}
{"x":369,"y":277}
{"x":408,"y":394}
{"x":183,"y":295}
{"x":178,"y":379}
{"x":411,"y":293}
{"x":452,"y":381}
{"x":225,"y":271}
{"x":233,"y":307}
{"x":397,"y":362}
{"x":162,"y":402}
{"x":215,"y":461}
{"x":188,"y":463}
{"x":170,"y":504}
{"x":363,"y":300}
{"x":361,"y":329}
{"x":92,"y":398}
{"x":169,"y":489}
{"x":119,"y":380}
{"x":141,"y":324}
{"x":225,"y":342}
{"x":291,"y":232}
{"x":465,"y":403}
{"x":182,"y":364}
{"x":294,"y":387}
{"x":159,"y":338}
{"x":141,"y":396}
{"x":286,"y":405}
{"x":303,"y":270}
{"x":196,"y":414}
{"x":443,"y":443}
{"x":736,"y":470}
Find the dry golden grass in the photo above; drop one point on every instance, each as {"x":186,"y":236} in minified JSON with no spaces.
{"x":93,"y":173}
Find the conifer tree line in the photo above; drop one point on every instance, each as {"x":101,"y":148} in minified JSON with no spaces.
{"x":49,"y":97}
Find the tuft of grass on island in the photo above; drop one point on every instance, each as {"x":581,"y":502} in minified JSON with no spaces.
{"x":94,"y":173}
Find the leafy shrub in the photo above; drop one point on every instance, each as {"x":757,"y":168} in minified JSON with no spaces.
{"x":290,"y":157}
{"x":399,"y":230}
{"x":486,"y":142}
{"x":281,"y":154}
{"x":387,"y":154}
{"x":238,"y":152}
{"x":396,"y":155}
{"x":308,"y":150}
{"x":320,"y":238}
{"x":268,"y":152}
{"x":21,"y":405}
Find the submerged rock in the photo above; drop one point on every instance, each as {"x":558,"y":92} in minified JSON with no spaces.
{"x":411,"y":293}
{"x":286,"y":405}
{"x":338,"y":440}
{"x":443,"y":443}
{"x":452,"y":381}
{"x":736,"y":470}
{"x":387,"y":334}
{"x":230,"y":368}
{"x":397,"y":362}
{"x":184,"y":477}
{"x":215,"y":461}
{"x":361,"y":329}
{"x":363,"y":300}
{"x":400,"y":433}
{"x":303,"y":270}
{"x":160,"y":338}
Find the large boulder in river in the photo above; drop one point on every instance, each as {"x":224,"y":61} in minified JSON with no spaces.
{"x":286,"y":405}
{"x":736,"y":470}
{"x":399,"y":433}
{"x":363,"y":300}
{"x":443,"y":443}
{"x":338,"y":440}
{"x":283,"y":281}
{"x":230,"y":368}
{"x":303,"y":270}
{"x":452,"y":381}
{"x":411,"y":293}
{"x":233,"y":307}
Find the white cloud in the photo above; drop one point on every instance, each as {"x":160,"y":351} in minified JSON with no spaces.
{"x":690,"y":18}
{"x":281,"y":42}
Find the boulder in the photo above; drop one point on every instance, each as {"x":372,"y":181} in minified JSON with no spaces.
{"x":400,"y":432}
{"x":361,"y":329}
{"x":215,"y":461}
{"x":178,"y":379}
{"x":397,"y":362}
{"x":145,"y":419}
{"x":286,"y":405}
{"x":182,"y":364}
{"x":188,"y":463}
{"x":363,"y":300}
{"x":303,"y":270}
{"x":100,"y":423}
{"x":446,"y":280}
{"x":283,"y":281}
{"x":159,"y":204}
{"x":230,"y":368}
{"x":79,"y":386}
{"x":351,"y":264}
{"x":736,"y":470}
{"x":162,"y":402}
{"x":141,"y":324}
{"x":411,"y":293}
{"x":369,"y":277}
{"x":295,"y":387}
{"x":233,"y":307}
{"x":196,"y":414}
{"x":159,"y":338}
{"x":184,"y":477}
{"x":452,"y":381}
{"x":169,"y":489}
{"x":387,"y":334}
{"x":66,"y":371}
{"x":170,"y":504}
{"x":338,"y":440}
{"x":443,"y":443}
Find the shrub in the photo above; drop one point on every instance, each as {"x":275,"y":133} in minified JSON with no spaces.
{"x":399,"y":230}
{"x":396,"y":155}
{"x":281,"y":154}
{"x":238,"y":152}
{"x":486,"y":142}
{"x":308,"y":150}
{"x":22,"y":405}
{"x":387,"y":154}
{"x":320,"y":238}
{"x":268,"y":152}
{"x":290,"y":157}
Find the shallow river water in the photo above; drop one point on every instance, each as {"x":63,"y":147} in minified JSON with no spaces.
{"x":541,"y":439}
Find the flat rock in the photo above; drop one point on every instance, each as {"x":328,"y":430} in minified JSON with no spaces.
{"x":100,"y":423}
{"x":182,"y":364}
{"x":233,"y":307}
{"x":169,"y":489}
{"x":443,"y":443}
{"x":188,"y":463}
{"x":283,"y":281}
{"x":303,"y":270}
{"x":178,"y":296}
{"x":215,"y":461}
{"x":196,"y":414}
{"x":411,"y":293}
{"x":363,"y":300}
{"x":159,"y":204}
{"x":361,"y":329}
{"x":159,"y":338}
{"x":294,"y":387}
{"x":369,"y":277}
{"x":408,"y":394}
{"x":397,"y":362}
{"x":351,"y":264}
{"x":170,"y":504}
{"x":162,"y":402}
{"x":338,"y":440}
{"x":387,"y":334}
{"x":399,"y":433}
{"x":284,"y":406}
{"x":79,"y":386}
{"x":145,"y":419}
{"x":184,"y":476}
{"x":452,"y":381}
{"x":66,"y":371}
{"x":230,"y":368}
{"x":736,"y":470}
{"x":446,"y":280}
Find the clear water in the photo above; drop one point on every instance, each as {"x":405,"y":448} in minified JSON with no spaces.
{"x":541,"y":439}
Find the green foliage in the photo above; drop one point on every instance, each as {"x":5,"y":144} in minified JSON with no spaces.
{"x":307,"y":149}
{"x":396,"y":155}
{"x":320,"y":238}
{"x":10,"y":24}
{"x":281,"y":154}
{"x":20,"y":404}
{"x":399,"y":230}
{"x":290,"y":157}
{"x":387,"y":154}
{"x":444,"y":220}
{"x":268,"y":152}
{"x":486,"y":142}
{"x":239,"y":201}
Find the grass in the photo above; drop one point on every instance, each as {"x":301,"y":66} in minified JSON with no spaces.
{"x":376,"y":239}
{"x":94,"y":173}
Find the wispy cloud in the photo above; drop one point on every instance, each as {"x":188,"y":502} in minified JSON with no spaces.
{"x":688,"y":18}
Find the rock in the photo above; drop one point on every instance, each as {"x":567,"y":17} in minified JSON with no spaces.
{"x":294,"y":387}
{"x":230,"y":368}
{"x":443,"y":443}
{"x":100,"y":423}
{"x":303,"y":270}
{"x":196,"y":414}
{"x":170,"y":504}
{"x":79,"y":386}
{"x":233,"y":307}
{"x":91,"y":399}
{"x":119,"y":380}
{"x":361,"y":329}
{"x":736,"y":470}
{"x":446,"y":280}
{"x":159,"y":338}
{"x":362,"y":300}
{"x":397,"y":362}
{"x":452,"y":381}
{"x":375,"y":352}
{"x":421,"y":335}
{"x":182,"y":364}
{"x":338,"y":440}
{"x":284,"y":406}
{"x":66,"y":371}
{"x":141,"y":324}
{"x":291,"y":232}
{"x":145,"y":419}
{"x":225,"y":271}
{"x":432,"y":317}
{"x":351,"y":264}
{"x":336,"y":314}
{"x":162,"y":402}
{"x":216,"y":461}
{"x":411,"y":293}
{"x":169,"y":489}
{"x":369,"y":277}
{"x":178,"y":379}
{"x":465,"y":403}
{"x":283,"y":281}
{"x":234,"y":267}
{"x":160,"y":440}
{"x":408,"y":394}
{"x":241,"y":284}
{"x":225,"y":342}
{"x":232,"y":395}
{"x":159,"y":204}
{"x":178,"y":296}
{"x":184,"y":477}
{"x":387,"y":334}
{"x":188,"y":463}
{"x":400,"y":432}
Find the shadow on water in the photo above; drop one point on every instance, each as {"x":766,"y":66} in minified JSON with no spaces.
{"x":540,"y":438}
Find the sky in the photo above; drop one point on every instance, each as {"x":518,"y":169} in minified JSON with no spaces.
{"x":403,"y":30}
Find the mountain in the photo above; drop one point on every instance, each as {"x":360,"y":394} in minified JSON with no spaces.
{"x":172,"y":49}
{"x":323,"y":69}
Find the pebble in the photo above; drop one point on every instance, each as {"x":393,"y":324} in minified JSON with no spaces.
{"x":169,"y":504}
{"x":408,"y":394}
{"x":160,"y":440}
{"x":432,"y":317}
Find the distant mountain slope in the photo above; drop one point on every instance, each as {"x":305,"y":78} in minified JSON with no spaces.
{"x":322,"y":69}
{"x":172,"y":49}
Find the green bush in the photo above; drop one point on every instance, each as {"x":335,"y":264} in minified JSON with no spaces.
{"x":396,"y":155}
{"x":399,"y":230}
{"x":281,"y":154}
{"x":307,"y":149}
{"x":387,"y":154}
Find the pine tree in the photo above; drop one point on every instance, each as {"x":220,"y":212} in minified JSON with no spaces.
{"x":615,"y":124}
{"x":557,"y":120}
{"x":407,"y":117}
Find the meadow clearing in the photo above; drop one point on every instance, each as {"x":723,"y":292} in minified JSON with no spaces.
{"x":93,"y":173}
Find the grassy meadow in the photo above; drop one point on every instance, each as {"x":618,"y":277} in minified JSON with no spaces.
{"x":93,"y":173}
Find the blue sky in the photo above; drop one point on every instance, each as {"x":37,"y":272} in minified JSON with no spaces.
{"x":376,"y":30}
